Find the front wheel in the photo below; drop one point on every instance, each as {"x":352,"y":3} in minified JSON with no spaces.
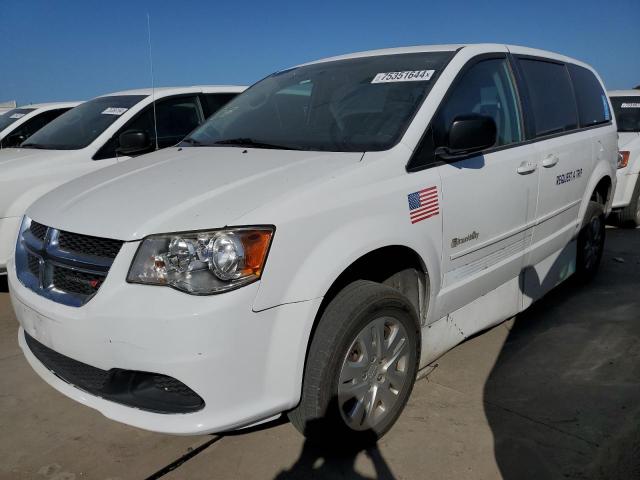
{"x":361,"y":366}
{"x":590,"y":242}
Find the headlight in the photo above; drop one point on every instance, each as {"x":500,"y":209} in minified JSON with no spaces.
{"x":202,"y":263}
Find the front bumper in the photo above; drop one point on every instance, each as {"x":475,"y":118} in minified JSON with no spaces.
{"x":9,"y":227}
{"x":246,"y":365}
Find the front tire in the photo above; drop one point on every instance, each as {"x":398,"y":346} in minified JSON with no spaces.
{"x":361,"y":366}
{"x":590,"y":242}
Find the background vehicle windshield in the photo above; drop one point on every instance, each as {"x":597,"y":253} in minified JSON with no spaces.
{"x":81,"y":125}
{"x":627,"y":111}
{"x":13,"y":115}
{"x":353,"y":105}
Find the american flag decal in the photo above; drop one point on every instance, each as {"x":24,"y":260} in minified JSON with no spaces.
{"x":423,"y":204}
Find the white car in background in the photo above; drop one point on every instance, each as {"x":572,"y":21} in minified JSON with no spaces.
{"x":20,"y":123}
{"x":626,"y":202}
{"x":96,"y":134}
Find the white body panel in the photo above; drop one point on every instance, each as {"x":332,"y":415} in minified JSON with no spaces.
{"x":29,"y":173}
{"x":244,"y":351}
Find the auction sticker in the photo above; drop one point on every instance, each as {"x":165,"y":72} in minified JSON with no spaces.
{"x":630,"y":105}
{"x":407,"y":76}
{"x":114,"y":111}
{"x":17,"y":115}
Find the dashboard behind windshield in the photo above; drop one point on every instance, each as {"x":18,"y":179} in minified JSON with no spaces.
{"x":352,"y":105}
{"x":78,"y":127}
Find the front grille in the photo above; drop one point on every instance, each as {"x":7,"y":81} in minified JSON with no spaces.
{"x":87,"y":245}
{"x":74,"y":281}
{"x":34,"y":264}
{"x":38,"y":230}
{"x":65,"y":267}
{"x":145,"y":390}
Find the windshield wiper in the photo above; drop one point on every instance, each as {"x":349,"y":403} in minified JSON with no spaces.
{"x":249,"y":142}
{"x":34,"y":145}
{"x":192,"y":141}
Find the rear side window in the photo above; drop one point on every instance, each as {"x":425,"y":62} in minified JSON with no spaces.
{"x":593,"y":107}
{"x":550,"y":95}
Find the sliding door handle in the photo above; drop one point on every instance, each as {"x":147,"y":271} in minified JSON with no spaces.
{"x":550,"y":161}
{"x":526,"y":168}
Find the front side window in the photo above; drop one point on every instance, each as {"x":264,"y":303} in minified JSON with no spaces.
{"x":175,"y":118}
{"x":13,"y":116}
{"x":627,"y":112}
{"x":81,"y":125}
{"x":485,"y":89}
{"x":353,"y":105}
{"x":551,"y":96}
{"x":593,"y":107}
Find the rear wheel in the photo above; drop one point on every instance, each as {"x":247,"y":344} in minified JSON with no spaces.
{"x":361,"y":366}
{"x":590,"y":242}
{"x":630,"y":216}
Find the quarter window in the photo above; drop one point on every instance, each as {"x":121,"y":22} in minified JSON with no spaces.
{"x":593,"y":107}
{"x":551,"y":96}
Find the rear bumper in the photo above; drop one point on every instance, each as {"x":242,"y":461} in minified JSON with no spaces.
{"x":624,"y":189}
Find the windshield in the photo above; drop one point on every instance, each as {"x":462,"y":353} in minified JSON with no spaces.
{"x":354,"y":105}
{"x":627,"y":111}
{"x":81,"y":125}
{"x":12,"y":115}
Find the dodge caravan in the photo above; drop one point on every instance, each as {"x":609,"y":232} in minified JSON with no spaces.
{"x":327,"y":233}
{"x":98,"y":133}
{"x":626,"y":200}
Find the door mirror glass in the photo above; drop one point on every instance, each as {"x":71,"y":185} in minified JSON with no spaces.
{"x":468,"y":134}
{"x":133,"y":141}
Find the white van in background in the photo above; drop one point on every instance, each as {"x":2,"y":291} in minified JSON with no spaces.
{"x":329,"y":231}
{"x":97,"y":133}
{"x":626,"y":202}
{"x":20,"y":123}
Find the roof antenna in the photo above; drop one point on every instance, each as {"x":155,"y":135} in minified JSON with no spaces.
{"x":153,"y":89}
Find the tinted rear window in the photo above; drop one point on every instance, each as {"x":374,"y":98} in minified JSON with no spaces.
{"x":627,"y":112}
{"x":551,"y":96}
{"x":593,"y":107}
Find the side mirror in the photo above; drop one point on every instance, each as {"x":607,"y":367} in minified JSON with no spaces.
{"x":13,"y":140}
{"x":133,"y":141}
{"x":468,"y":134}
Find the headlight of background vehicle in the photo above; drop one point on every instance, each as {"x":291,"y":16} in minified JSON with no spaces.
{"x":202,"y":263}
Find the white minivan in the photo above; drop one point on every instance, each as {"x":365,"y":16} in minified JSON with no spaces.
{"x":626,"y":200}
{"x":327,"y":233}
{"x":97,"y":133}
{"x":20,"y":123}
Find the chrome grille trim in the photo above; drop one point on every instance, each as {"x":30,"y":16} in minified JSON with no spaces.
{"x":55,"y":278}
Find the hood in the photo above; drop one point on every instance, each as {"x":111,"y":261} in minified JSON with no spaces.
{"x":625,"y":140}
{"x":182,"y":189}
{"x":23,"y":170}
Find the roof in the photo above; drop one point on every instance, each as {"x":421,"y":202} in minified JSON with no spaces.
{"x":51,"y":105}
{"x":624,"y":93}
{"x":165,"y":91}
{"x":450,"y":48}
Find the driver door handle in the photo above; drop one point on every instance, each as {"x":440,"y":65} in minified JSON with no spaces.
{"x":526,"y":168}
{"x":550,"y":161}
